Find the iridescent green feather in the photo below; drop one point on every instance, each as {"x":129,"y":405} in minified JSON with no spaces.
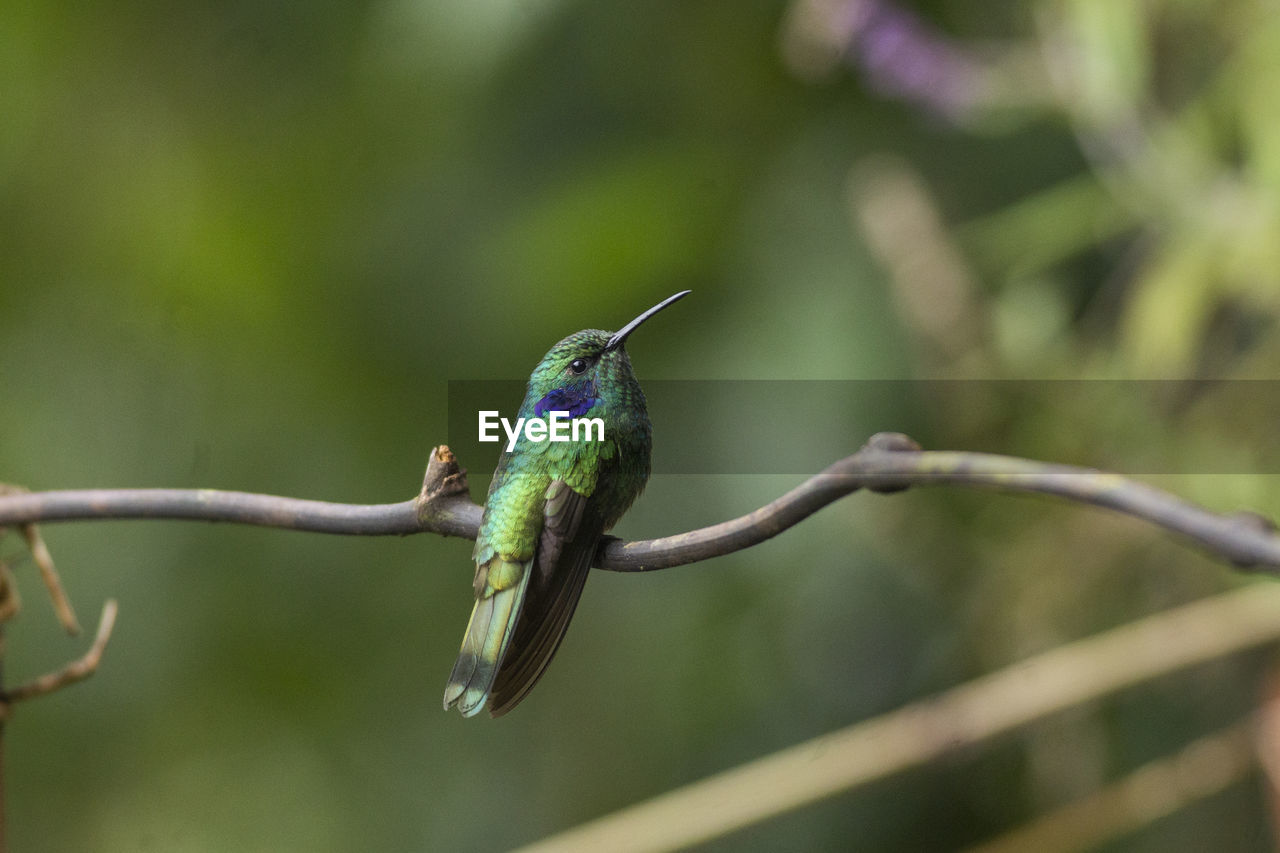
{"x":489,"y":631}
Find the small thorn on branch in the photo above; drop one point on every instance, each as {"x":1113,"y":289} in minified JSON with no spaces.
{"x":891,"y":442}
{"x":444,"y":477}
{"x":1251,"y":523}
{"x":77,"y":670}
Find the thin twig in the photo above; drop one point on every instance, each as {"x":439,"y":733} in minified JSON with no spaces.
{"x":52,"y":582}
{"x":10,"y":603}
{"x":10,"y":599}
{"x":77,"y":670}
{"x":922,"y":732}
{"x":889,"y":462}
{"x":1204,"y":767}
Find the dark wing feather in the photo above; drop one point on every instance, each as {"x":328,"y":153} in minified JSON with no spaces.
{"x":568,"y":542}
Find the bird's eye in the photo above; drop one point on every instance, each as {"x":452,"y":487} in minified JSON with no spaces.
{"x":578,"y":366}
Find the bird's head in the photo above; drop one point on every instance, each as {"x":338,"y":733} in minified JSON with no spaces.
{"x":586,"y":366}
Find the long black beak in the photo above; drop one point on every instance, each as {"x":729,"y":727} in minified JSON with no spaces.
{"x":620,"y":336}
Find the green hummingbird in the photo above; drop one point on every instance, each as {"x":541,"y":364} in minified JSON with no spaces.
{"x":548,"y":505}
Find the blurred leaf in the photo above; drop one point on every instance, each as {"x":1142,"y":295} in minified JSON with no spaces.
{"x":1170,"y":310}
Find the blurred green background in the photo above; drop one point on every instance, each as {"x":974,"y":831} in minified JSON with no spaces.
{"x":247,"y":245}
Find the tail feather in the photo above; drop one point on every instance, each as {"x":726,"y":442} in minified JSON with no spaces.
{"x":493,"y":622}
{"x":539,"y":638}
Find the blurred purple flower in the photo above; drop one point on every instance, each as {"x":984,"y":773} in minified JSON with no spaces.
{"x":903,"y":57}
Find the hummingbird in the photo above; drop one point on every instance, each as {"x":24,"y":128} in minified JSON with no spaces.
{"x":548,"y":505}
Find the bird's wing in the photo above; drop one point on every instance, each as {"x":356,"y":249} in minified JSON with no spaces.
{"x":569,"y":537}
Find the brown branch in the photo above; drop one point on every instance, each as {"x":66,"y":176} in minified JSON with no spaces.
{"x":10,"y":603}
{"x":77,"y":670}
{"x":10,"y":599}
{"x":889,"y":462}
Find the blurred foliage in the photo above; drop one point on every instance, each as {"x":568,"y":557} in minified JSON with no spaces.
{"x":247,"y":245}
